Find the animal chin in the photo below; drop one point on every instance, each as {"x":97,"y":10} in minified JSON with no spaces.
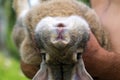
{"x":60,"y":32}
{"x":60,"y":43}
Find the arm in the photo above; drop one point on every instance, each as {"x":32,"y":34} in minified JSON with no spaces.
{"x":101,"y":63}
{"x":99,"y":5}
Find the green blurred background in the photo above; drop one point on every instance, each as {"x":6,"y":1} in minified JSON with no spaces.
{"x":9,"y":55}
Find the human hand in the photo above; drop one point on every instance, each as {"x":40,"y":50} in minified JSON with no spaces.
{"x":92,"y":45}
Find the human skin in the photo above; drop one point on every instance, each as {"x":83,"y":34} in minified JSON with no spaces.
{"x":100,"y":63}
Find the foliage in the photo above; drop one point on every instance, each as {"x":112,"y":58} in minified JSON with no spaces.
{"x":10,"y":69}
{"x":86,"y":2}
{"x":9,"y":21}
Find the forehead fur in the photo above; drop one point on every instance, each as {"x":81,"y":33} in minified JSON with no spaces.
{"x":60,"y":8}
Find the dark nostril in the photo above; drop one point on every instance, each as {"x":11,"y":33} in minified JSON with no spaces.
{"x":60,"y":25}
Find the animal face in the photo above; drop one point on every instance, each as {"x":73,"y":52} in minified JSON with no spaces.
{"x":62,"y":34}
{"x":60,"y":29}
{"x":62,"y":39}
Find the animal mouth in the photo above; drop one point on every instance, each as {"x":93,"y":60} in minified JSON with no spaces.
{"x":60,"y":36}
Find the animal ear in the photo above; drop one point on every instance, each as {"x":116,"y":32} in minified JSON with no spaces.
{"x":21,"y":7}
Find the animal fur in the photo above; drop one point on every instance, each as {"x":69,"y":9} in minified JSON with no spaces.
{"x":62,"y":8}
{"x":67,"y":8}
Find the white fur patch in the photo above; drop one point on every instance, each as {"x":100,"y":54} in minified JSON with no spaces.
{"x":69,"y":22}
{"x":23,"y":13}
{"x":27,"y":5}
{"x":34,"y":2}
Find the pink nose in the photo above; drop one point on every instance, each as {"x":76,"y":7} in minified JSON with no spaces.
{"x":60,"y":25}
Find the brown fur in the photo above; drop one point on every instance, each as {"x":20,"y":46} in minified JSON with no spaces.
{"x":18,"y":33}
{"x":19,"y":6}
{"x":29,"y":53}
{"x":67,"y":8}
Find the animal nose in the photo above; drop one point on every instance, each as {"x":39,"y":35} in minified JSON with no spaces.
{"x":60,"y":25}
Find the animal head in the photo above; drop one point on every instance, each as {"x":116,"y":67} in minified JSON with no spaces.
{"x":62,"y":36}
{"x":60,"y":28}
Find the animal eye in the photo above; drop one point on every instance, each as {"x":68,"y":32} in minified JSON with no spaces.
{"x":78,"y":55}
{"x":43,"y":56}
